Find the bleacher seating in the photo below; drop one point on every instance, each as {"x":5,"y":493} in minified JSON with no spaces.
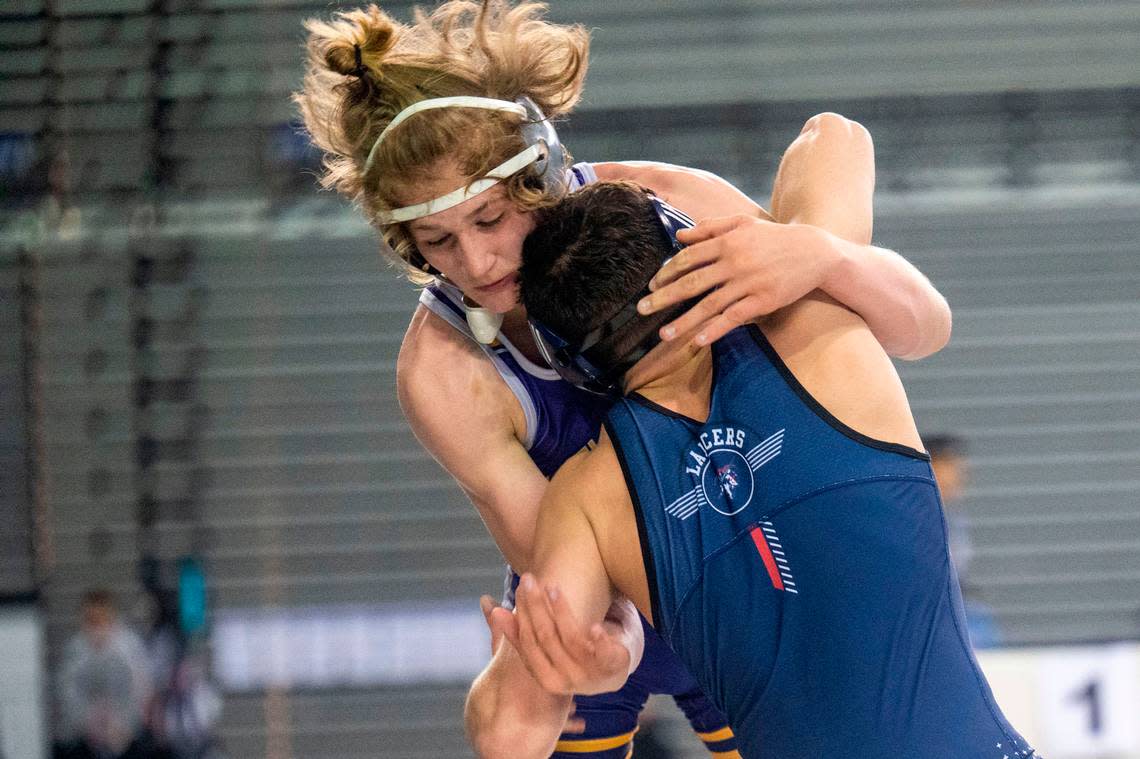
{"x":1008,"y":141}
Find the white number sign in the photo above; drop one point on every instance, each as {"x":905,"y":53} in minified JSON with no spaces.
{"x":1090,"y":701}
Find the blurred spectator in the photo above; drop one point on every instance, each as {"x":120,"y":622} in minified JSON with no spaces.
{"x":189,"y":710}
{"x":105,"y":685}
{"x":948,"y":458}
{"x":155,"y":614}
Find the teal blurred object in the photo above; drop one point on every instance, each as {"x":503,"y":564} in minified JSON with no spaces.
{"x":191,"y":596}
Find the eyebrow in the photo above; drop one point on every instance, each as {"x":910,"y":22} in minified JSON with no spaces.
{"x":429,"y":227}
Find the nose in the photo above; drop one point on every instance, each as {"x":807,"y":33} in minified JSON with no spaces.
{"x":478,"y":254}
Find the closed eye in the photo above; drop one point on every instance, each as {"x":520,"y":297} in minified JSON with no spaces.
{"x":437,"y":241}
{"x":485,"y":223}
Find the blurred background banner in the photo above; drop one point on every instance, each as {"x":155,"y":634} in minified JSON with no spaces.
{"x":198,"y":347}
{"x":328,"y":646}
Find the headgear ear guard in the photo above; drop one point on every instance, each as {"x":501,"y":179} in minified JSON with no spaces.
{"x":593,"y":362}
{"x":539,"y":130}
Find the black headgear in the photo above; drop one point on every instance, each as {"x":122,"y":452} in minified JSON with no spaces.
{"x":592,"y":362}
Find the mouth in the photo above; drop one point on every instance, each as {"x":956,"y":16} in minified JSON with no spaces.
{"x":499,"y":286}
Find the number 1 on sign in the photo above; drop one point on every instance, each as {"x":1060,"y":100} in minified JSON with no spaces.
{"x":1091,"y":694}
{"x":1088,"y":698}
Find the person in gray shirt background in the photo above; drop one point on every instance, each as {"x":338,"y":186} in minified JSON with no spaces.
{"x":105,"y":683}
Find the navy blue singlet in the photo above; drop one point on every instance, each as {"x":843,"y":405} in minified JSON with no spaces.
{"x":560,"y":420}
{"x":801,"y":571}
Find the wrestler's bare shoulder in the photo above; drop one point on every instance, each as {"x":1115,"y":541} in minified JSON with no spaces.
{"x":834,"y":356}
{"x":441,"y":371}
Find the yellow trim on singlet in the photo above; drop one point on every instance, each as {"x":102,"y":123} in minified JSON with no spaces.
{"x":594,"y":744}
{"x":716,"y":735}
{"x":726,"y":755}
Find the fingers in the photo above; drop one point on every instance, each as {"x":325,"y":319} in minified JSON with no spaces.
{"x":710,"y":228}
{"x":596,"y":660}
{"x":580,"y":648}
{"x":702,"y":247}
{"x":690,"y":285}
{"x":556,"y":630}
{"x":707,"y":309}
{"x":503,"y":625}
{"x":715,"y":330}
{"x":487,"y":605}
{"x":564,"y":657}
{"x":609,"y":653}
{"x":564,"y":624}
{"x":539,"y":642}
{"x":723,"y":319}
{"x":685,"y":260}
{"x":575,"y":725}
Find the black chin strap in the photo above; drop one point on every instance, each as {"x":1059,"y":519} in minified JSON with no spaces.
{"x":626,"y":327}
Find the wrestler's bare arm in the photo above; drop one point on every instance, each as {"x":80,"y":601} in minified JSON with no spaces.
{"x":776,"y":266}
{"x":469,"y":421}
{"x":915,"y":320}
{"x":701,"y":194}
{"x":511,"y":714}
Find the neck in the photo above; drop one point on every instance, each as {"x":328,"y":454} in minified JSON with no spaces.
{"x":677,"y":376}
{"x":516,"y":329}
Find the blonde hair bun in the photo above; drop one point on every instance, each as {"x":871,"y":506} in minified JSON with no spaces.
{"x":370,"y":30}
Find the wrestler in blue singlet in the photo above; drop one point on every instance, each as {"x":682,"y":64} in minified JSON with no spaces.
{"x":560,"y":420}
{"x":801,"y":571}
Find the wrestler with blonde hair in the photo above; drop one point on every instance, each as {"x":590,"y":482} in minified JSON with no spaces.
{"x":365,"y":69}
{"x":439,"y":130}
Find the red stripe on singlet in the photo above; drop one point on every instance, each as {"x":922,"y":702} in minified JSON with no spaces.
{"x":766,"y":554}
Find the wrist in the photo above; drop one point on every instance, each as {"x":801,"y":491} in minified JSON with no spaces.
{"x":831,"y":254}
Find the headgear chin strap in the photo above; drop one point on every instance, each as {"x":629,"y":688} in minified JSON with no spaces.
{"x":592,"y":362}
{"x":484,"y":324}
{"x":543,"y":150}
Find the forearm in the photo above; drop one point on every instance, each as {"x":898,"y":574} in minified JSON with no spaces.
{"x":906,"y":314}
{"x":827,"y":179}
{"x":700,"y":194}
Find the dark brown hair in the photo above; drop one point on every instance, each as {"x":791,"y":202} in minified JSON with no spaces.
{"x":589,"y":256}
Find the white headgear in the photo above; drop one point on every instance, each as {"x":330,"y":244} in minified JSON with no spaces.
{"x":542,"y":147}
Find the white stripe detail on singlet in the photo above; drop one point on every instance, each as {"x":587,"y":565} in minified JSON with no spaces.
{"x":583,"y":170}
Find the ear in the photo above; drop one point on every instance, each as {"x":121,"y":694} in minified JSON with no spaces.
{"x":416,"y":259}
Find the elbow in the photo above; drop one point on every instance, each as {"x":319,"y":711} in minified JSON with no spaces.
{"x":496,"y":739}
{"x":933,"y":326}
{"x":492,"y":731}
{"x":849,"y":133}
{"x":491,"y":742}
{"x":489,"y":737}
